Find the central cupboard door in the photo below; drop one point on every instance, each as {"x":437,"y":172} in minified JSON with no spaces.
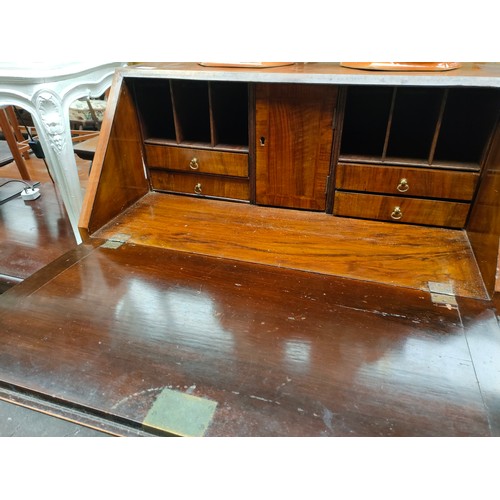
{"x":294,"y":135}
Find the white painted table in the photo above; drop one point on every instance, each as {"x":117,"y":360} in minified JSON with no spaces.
{"x":46,"y":91}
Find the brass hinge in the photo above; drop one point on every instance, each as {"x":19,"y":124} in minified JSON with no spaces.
{"x":442,"y":293}
{"x":116,"y":241}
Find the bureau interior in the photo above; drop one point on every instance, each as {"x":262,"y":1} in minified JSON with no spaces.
{"x":442,"y":128}
{"x":439,"y":127}
{"x":193,"y":113}
{"x":203,"y":143}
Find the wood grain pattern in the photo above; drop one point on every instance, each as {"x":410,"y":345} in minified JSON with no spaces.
{"x":408,"y":256}
{"x":283,"y":353}
{"x":483,"y":227}
{"x":296,"y":323}
{"x":423,"y":182}
{"x":207,"y":162}
{"x":200,"y":185}
{"x":294,"y":133}
{"x":117,"y":178}
{"x":481,"y":330}
{"x":32,"y":234}
{"x":411,"y":210}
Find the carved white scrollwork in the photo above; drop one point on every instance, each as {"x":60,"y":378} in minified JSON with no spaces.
{"x":51,"y":114}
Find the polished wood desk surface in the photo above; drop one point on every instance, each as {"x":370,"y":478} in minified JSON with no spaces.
{"x":410,"y":257}
{"x":114,"y":330}
{"x":32,"y":234}
{"x":277,"y":352}
{"x":282,"y":352}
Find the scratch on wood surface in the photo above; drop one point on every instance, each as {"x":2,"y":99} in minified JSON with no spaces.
{"x":264,"y":399}
{"x":136,"y":394}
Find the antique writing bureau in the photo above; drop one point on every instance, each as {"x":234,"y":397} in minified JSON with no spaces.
{"x":295,"y":250}
{"x":367,"y":175}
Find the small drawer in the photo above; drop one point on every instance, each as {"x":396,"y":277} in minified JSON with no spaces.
{"x":413,"y":182}
{"x":200,"y":185}
{"x":197,"y":160}
{"x":399,"y":209}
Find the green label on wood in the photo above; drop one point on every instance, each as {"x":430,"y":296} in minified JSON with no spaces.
{"x":181,"y":414}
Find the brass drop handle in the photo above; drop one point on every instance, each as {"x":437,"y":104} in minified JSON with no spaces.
{"x":403,"y":186}
{"x":197,"y":188}
{"x":396,"y":213}
{"x":193,"y":164}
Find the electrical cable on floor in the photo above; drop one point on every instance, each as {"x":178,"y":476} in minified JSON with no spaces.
{"x":30,"y":192}
{"x":16,"y":180}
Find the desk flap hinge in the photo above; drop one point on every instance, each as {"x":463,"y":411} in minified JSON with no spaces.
{"x":442,"y":293}
{"x":116,"y":241}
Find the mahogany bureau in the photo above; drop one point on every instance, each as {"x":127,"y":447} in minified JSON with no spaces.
{"x":323,"y":152}
{"x":296,"y":250}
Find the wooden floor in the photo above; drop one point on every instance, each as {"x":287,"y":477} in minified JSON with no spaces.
{"x":157,"y":340}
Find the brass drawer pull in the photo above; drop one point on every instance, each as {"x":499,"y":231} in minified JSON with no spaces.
{"x":396,"y":213}
{"x":197,"y":188}
{"x":403,"y":186}
{"x":193,"y":164}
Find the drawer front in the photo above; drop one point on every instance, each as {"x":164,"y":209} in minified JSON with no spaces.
{"x":413,"y":182}
{"x":399,"y":209}
{"x":197,"y":160}
{"x":200,"y":185}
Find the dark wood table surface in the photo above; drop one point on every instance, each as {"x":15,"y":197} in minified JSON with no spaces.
{"x":256,"y":350}
{"x":32,"y":234}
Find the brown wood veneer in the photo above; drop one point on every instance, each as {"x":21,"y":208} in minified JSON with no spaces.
{"x":282,"y":352}
{"x":315,"y":242}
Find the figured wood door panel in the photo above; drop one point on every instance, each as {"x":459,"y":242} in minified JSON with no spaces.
{"x":294,"y":135}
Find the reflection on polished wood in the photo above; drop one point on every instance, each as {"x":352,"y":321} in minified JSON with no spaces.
{"x":484,"y":224}
{"x":317,"y":242}
{"x":282,"y":322}
{"x":33,"y":233}
{"x":281,"y":352}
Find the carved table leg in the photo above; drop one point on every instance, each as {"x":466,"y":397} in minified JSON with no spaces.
{"x":52,"y":124}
